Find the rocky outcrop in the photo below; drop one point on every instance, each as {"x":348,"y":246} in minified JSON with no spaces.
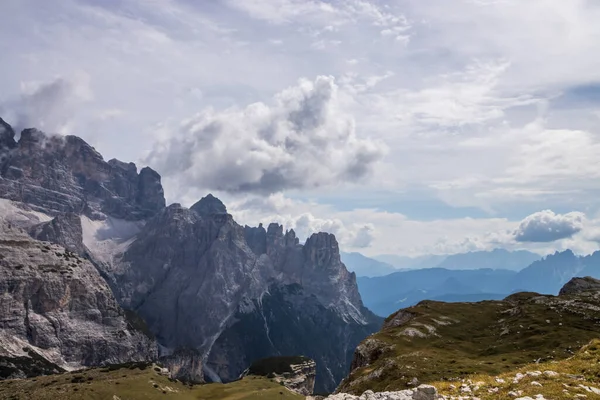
{"x":580,"y":285}
{"x":64,"y":230}
{"x":368,"y":352}
{"x":185,"y":365}
{"x":56,"y":174}
{"x":295,"y":373}
{"x":423,"y":392}
{"x":256,"y":239}
{"x":398,"y":319}
{"x":57,"y":312}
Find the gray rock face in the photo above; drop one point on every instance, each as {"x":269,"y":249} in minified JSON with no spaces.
{"x":256,"y":239}
{"x":7,"y":143}
{"x":287,"y":320}
{"x":56,"y":308}
{"x":64,"y":230}
{"x":66,"y":175}
{"x":184,"y":364}
{"x":580,"y":285}
{"x":200,"y":285}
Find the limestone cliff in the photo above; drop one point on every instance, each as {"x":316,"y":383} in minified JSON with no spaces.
{"x":56,"y":312}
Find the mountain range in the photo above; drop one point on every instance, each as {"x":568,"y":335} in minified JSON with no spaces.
{"x":386,"y":294}
{"x":213,"y":295}
{"x":386,"y":264}
{"x":362,"y":265}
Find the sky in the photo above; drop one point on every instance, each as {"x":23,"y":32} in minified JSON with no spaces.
{"x":404,"y":127}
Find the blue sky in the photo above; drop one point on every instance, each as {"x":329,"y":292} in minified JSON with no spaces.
{"x":406,"y":126}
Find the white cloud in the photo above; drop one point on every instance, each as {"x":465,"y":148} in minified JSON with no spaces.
{"x":355,"y":236}
{"x":546,"y":226}
{"x":302,"y":141}
{"x":542,"y":232}
{"x":48,"y":106}
{"x":328,"y":14}
{"x":285,"y":11}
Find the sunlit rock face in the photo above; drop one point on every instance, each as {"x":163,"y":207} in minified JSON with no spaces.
{"x":58,"y":313}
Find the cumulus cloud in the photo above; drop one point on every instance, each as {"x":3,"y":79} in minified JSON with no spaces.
{"x":304,"y":140}
{"x":348,"y":235}
{"x":363,"y":237}
{"x":546,"y":226}
{"x":48,"y":106}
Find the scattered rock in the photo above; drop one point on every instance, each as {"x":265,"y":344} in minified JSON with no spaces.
{"x":423,"y":392}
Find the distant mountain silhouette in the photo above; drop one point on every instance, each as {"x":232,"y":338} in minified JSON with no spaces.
{"x":386,"y":294}
{"x":364,"y":266}
{"x":495,"y":259}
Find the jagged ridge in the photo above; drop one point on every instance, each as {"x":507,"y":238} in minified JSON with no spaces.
{"x":56,"y":174}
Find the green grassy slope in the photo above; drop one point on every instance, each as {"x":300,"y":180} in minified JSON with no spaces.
{"x":436,"y":341}
{"x":133,"y":383}
{"x":575,"y":377}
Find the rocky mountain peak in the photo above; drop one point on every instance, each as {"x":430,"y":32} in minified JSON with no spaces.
{"x":209,"y":205}
{"x":322,"y":249}
{"x":130,"y":167}
{"x":580,"y":285}
{"x":31,"y":135}
{"x":56,"y":174}
{"x":150,"y":193}
{"x":272,"y":240}
{"x":275,"y":237}
{"x":290,"y":238}
{"x":256,"y":238}
{"x":564,"y":254}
